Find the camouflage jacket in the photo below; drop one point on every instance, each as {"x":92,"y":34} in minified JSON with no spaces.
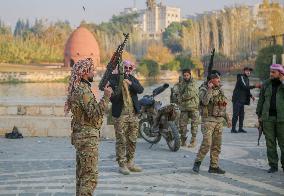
{"x":188,"y":94}
{"x":175,"y":97}
{"x":213,"y":104}
{"x":87,"y":113}
{"x":263,"y":105}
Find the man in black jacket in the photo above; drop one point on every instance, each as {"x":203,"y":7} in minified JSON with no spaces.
{"x":241,"y":97}
{"x":125,"y":107}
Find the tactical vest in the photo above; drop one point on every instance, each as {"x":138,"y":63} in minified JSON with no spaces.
{"x":217,"y":104}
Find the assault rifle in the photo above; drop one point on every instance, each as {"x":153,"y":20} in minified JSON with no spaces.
{"x":211,"y":63}
{"x":114,"y":63}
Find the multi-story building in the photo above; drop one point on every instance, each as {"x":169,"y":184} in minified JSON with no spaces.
{"x":155,"y":18}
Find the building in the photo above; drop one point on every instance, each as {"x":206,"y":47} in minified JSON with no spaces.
{"x":157,"y":17}
{"x":81,"y":44}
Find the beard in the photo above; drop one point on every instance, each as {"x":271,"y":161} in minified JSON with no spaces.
{"x":90,"y":79}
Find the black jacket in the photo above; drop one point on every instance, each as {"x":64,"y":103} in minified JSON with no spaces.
{"x":117,"y":99}
{"x":242,"y":90}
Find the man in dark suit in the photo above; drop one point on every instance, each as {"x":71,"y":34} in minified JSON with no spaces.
{"x":241,"y":97}
{"x":125,"y":107}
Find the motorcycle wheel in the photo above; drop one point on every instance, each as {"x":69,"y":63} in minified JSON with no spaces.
{"x":146,"y":134}
{"x":173,"y":139}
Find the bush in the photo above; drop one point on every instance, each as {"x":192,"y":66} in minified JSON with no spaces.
{"x":149,"y":68}
{"x":173,"y":66}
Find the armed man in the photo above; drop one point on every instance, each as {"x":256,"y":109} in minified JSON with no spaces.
{"x":125,"y":107}
{"x":270,"y":112}
{"x":87,"y":118}
{"x":188,"y":103}
{"x":213,"y":105}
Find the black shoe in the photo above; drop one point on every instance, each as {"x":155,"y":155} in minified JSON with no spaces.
{"x":272,"y":170}
{"x":234,"y":131}
{"x":242,"y":131}
{"x":196,"y":166}
{"x":217,"y":170}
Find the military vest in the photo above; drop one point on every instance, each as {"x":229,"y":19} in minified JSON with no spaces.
{"x":217,"y":104}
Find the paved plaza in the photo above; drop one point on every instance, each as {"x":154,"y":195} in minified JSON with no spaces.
{"x":46,"y":166}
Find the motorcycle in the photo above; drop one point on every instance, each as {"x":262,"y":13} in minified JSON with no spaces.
{"x":157,"y":121}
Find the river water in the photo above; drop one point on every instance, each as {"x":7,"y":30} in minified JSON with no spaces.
{"x":55,"y":93}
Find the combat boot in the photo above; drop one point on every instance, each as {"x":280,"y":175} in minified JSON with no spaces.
{"x":272,"y":170}
{"x":134,"y":168}
{"x":196,"y":166}
{"x":216,"y":170}
{"x":241,"y":130}
{"x":124,"y":170}
{"x":192,"y":143}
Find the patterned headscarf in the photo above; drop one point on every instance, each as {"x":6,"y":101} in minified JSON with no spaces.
{"x":277,"y":67}
{"x":129,"y":67}
{"x":79,"y":69}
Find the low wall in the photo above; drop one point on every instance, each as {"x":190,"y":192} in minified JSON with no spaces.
{"x":47,"y":76}
{"x":60,"y":75}
{"x":40,"y":120}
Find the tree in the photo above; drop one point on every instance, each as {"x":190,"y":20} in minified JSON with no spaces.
{"x":173,"y":66}
{"x":20,"y":28}
{"x":152,"y":70}
{"x":172,"y":37}
{"x":185,"y":61}
{"x":159,"y":54}
{"x":264,"y":60}
{"x":4,"y":29}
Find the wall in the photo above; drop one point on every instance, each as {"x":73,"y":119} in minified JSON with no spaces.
{"x":40,"y":120}
{"x":33,"y":76}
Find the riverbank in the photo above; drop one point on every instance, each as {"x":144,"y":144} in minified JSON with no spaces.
{"x":13,"y":73}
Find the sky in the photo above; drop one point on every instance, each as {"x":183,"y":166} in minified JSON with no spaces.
{"x":97,"y":11}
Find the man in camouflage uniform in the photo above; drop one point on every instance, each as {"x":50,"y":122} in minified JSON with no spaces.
{"x":213,"y":112}
{"x":86,"y":121}
{"x":125,"y":107}
{"x":188,"y":102}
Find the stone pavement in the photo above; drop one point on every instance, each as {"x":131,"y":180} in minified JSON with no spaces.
{"x":46,"y":166}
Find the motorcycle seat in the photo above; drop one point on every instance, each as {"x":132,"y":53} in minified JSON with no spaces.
{"x":146,"y":101}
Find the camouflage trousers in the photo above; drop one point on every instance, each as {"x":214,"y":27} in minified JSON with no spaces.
{"x":212,"y":139}
{"x":126,"y":132}
{"x":183,"y":122}
{"x":86,"y":164}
